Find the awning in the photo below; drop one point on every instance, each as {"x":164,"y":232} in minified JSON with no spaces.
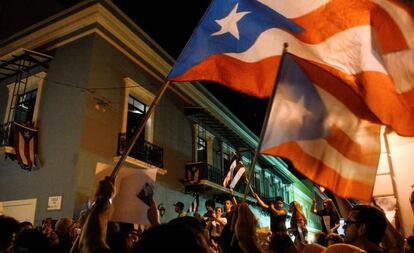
{"x":204,"y":118}
{"x":22,"y":60}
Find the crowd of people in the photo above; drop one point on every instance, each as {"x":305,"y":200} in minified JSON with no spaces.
{"x":228,"y":229}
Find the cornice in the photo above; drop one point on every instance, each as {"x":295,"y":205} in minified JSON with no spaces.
{"x":87,"y":19}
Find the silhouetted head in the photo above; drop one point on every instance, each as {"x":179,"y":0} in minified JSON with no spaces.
{"x":182,"y":235}
{"x":31,"y":241}
{"x":365,"y":222}
{"x":8,"y":229}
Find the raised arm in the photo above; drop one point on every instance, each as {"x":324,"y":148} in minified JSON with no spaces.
{"x":260,"y":201}
{"x":278,"y":212}
{"x":93,"y":235}
{"x":232,"y":198}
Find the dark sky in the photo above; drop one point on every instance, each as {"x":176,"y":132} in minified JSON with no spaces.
{"x":170,"y":24}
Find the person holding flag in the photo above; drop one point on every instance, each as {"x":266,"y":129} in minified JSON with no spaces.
{"x":277,"y":214}
{"x":329,"y":216}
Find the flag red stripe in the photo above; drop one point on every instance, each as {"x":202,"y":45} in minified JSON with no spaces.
{"x":358,"y":152}
{"x":323,"y":175}
{"x":334,"y":85}
{"x":339,"y":15}
{"x":256,"y":79}
{"x":376,"y":88}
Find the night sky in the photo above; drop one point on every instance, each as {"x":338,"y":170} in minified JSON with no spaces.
{"x":171,"y":27}
{"x":169,"y":23}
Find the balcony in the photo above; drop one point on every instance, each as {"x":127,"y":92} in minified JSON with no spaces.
{"x":143,"y":151}
{"x":205,"y":178}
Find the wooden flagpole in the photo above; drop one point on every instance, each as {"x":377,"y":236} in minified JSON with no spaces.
{"x":262,"y":131}
{"x":139,"y":130}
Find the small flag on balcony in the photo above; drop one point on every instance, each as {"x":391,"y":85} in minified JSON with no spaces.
{"x":25,"y":145}
{"x":193,"y":172}
{"x":236,"y":171}
{"x":194,"y":205}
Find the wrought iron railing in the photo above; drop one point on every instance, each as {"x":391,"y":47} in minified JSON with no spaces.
{"x":213,"y":174}
{"x":6,"y":134}
{"x":217,"y":175}
{"x":144,"y":151}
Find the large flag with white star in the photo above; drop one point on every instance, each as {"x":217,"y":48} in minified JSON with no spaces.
{"x":230,"y":27}
{"x":369,"y":44}
{"x":324,"y":129}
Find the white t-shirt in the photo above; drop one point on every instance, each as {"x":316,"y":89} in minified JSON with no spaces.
{"x":216,"y":227}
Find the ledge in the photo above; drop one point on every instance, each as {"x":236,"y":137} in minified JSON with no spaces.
{"x":7,"y":149}
{"x":135,"y":163}
{"x":225,"y":190}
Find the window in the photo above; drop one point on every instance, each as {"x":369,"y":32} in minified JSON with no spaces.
{"x":137,"y":100}
{"x":227,"y":155}
{"x":25,"y":107}
{"x":257,"y":180}
{"x":267,"y":186}
{"x":201,"y":145}
{"x":136,"y":113}
{"x":24,"y":100}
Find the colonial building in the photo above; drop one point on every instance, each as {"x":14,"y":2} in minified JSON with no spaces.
{"x":84,"y":78}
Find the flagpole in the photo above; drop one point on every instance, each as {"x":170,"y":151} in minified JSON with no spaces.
{"x":392,"y":176}
{"x":139,"y":130}
{"x":269,"y":106}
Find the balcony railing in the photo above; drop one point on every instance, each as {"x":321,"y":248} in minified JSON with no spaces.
{"x":144,"y":151}
{"x":217,"y":175}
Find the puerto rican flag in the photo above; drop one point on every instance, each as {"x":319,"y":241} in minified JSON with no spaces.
{"x":368,"y":44}
{"x":235,"y":173}
{"x":324,"y":129}
{"x":25,"y":145}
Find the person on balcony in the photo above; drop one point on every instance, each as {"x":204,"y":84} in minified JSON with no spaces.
{"x":277,"y":213}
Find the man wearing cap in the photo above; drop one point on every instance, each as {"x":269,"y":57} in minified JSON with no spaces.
{"x":179,"y":208}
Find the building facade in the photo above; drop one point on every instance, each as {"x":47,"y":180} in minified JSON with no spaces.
{"x":84,"y":78}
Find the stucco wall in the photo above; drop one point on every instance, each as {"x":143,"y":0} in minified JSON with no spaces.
{"x":172,"y":130}
{"x":60,"y":124}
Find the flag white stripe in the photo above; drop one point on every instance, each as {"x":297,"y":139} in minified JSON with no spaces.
{"x":293,"y":9}
{"x":400,"y":65}
{"x":335,"y":160}
{"x":401,"y":17}
{"x":229,"y":175}
{"x":345,"y":51}
{"x":338,"y":114}
{"x":237,"y":177}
